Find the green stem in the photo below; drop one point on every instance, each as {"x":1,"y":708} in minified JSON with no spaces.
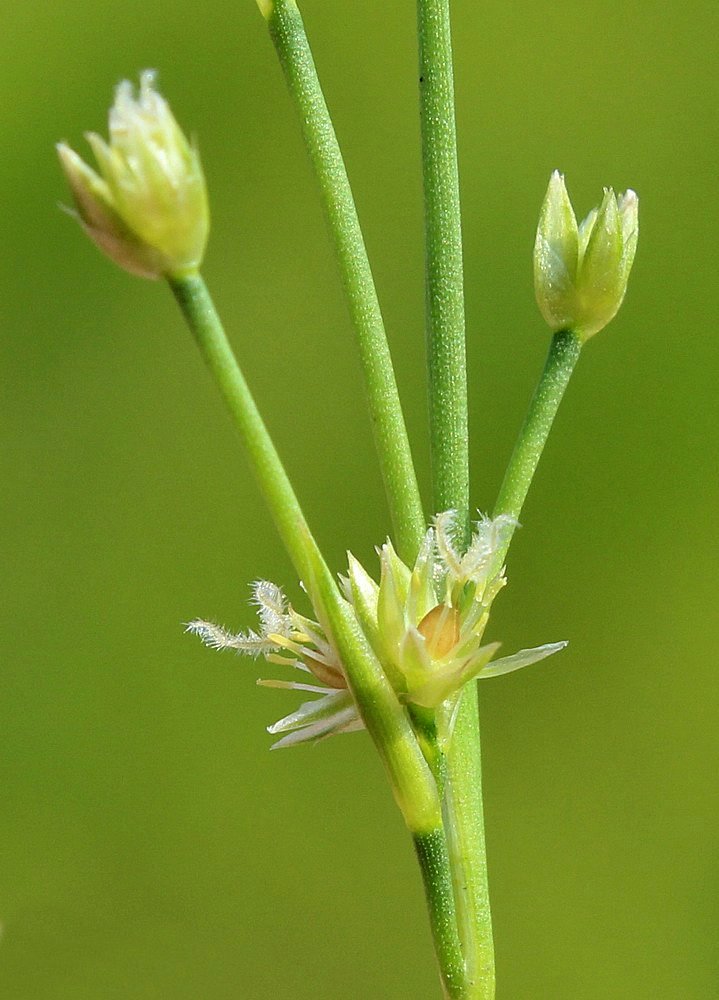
{"x":431,"y":851}
{"x":197,"y":306}
{"x":386,"y":720}
{"x":446,"y":350}
{"x":561,"y":360}
{"x":463,"y":806}
{"x":392,"y":443}
{"x":463,"y":809}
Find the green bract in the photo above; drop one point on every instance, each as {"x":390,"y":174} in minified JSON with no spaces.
{"x":581,"y":271}
{"x":146,"y":207}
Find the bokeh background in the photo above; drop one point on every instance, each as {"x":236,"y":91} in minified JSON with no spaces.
{"x":152,"y":848}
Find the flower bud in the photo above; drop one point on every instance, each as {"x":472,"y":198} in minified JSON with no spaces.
{"x":581,"y":271}
{"x":146,"y":205}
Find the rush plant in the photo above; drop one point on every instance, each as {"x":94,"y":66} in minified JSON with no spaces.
{"x":395,"y":649}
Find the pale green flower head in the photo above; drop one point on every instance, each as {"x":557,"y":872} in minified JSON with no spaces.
{"x":146,"y":204}
{"x":426,"y":624}
{"x":581,"y":271}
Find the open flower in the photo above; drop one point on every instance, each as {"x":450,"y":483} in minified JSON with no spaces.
{"x":288,"y":639}
{"x":146,"y":206}
{"x":426,"y":624}
{"x":581,"y":271}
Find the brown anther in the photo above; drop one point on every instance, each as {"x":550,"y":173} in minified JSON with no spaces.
{"x":329,"y":675}
{"x":440,"y":627}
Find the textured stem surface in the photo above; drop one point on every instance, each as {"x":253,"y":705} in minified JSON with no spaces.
{"x":464,"y":823}
{"x":390,"y":433}
{"x":561,"y":360}
{"x":446,"y":350}
{"x":446,"y":353}
{"x":437,"y":877}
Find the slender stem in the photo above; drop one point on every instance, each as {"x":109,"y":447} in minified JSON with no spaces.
{"x":411,"y":779}
{"x":446,"y":350}
{"x":198,"y":309}
{"x":391,"y":440}
{"x":463,"y":807}
{"x":431,"y":851}
{"x":561,"y":360}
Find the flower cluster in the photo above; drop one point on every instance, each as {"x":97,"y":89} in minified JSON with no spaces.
{"x":146,"y":208}
{"x":425,"y":625}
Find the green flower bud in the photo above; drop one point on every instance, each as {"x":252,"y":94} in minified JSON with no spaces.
{"x":146,"y":206}
{"x":581,"y":271}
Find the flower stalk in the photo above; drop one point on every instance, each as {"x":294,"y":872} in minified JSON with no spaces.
{"x":449,"y":442}
{"x":562,"y":358}
{"x":386,"y":720}
{"x":392,"y":443}
{"x":580,"y":279}
{"x":445,"y":325}
{"x":412,"y":782}
{"x":434,"y":863}
{"x":147,"y":209}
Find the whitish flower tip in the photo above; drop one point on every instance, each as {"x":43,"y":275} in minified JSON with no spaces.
{"x":628,"y":200}
{"x":246,"y":643}
{"x":127,"y":106}
{"x":77,"y":172}
{"x":148,"y":78}
{"x":499,"y":522}
{"x":211,"y":635}
{"x":268,"y":595}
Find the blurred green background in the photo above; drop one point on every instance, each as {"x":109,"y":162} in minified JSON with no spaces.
{"x":152,"y":848}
